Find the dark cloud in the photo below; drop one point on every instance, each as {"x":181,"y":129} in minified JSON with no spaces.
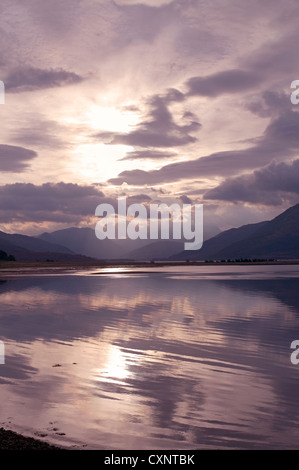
{"x":269,"y":104}
{"x":230,"y":81}
{"x":220,"y":163}
{"x":280,"y":141}
{"x":148,"y":155}
{"x":30,"y":79}
{"x":185,"y":199}
{"x":15,"y":159}
{"x":159,"y":128}
{"x":272,"y":185}
{"x":138,"y":199}
{"x":284,"y":130}
{"x":60,"y":202}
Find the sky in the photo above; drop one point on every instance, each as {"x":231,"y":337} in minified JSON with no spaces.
{"x":156,"y":100}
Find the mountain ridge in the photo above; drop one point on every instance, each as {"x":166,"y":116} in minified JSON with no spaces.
{"x":277,"y":238}
{"x":272,"y":239}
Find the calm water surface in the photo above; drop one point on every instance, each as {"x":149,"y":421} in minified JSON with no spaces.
{"x":157,"y":358}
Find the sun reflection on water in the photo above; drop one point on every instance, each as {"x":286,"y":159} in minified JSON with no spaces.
{"x":115,"y":369}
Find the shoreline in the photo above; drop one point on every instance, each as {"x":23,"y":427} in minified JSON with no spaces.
{"x":11,"y":440}
{"x":11,"y":265}
{"x":15,"y":268}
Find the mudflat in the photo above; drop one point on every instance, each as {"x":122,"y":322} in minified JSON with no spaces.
{"x":10,"y":440}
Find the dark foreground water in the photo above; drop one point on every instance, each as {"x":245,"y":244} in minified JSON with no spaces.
{"x":174,"y":358}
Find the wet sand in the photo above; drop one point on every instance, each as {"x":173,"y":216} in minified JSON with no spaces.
{"x":10,"y":440}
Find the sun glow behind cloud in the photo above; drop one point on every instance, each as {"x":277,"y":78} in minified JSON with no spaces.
{"x":96,"y":162}
{"x":109,"y":118}
{"x":132,"y":94}
{"x":93,"y":159}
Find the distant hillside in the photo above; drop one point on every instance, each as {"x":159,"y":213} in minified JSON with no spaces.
{"x":277,"y":238}
{"x":32,"y":243}
{"x":85,"y":242}
{"x":18,"y":247}
{"x":219,"y":242}
{"x":161,"y":249}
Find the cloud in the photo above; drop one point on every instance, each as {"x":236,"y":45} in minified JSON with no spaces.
{"x":220,"y":163}
{"x":60,"y":202}
{"x":284,"y":130}
{"x":272,"y":185}
{"x":38,"y":131}
{"x":158,"y":128}
{"x":148,"y":155}
{"x":279,"y":141}
{"x":173,"y":95}
{"x":174,"y":52}
{"x":185,"y":199}
{"x":278,"y":50}
{"x":28,"y":78}
{"x":269,"y":104}
{"x":150,"y":3}
{"x":145,"y":21}
{"x":15,"y":159}
{"x":228,"y":81}
{"x":138,"y":199}
{"x":55,"y":205}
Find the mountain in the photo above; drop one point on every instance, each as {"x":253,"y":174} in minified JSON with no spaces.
{"x":219,"y":242}
{"x":85,"y":242}
{"x":277,"y":238}
{"x":80,"y":240}
{"x":25,"y":248}
{"x":32,"y":243}
{"x":157,"y":250}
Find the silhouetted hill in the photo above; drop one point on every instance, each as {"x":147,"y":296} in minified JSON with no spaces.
{"x":84,"y":241}
{"x":219,"y":242}
{"x":32,"y":243}
{"x":40,"y":250}
{"x":157,"y":250}
{"x":276,"y":239}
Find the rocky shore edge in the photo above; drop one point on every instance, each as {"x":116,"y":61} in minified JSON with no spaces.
{"x":10,"y":440}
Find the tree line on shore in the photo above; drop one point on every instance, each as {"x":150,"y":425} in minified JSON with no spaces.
{"x":5,"y":257}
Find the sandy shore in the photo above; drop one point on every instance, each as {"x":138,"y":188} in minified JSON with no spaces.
{"x":10,"y":440}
